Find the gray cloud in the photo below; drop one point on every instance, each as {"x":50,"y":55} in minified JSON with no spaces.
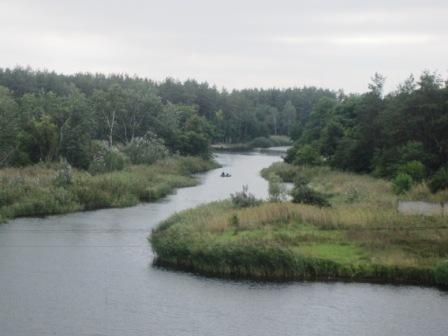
{"x":233,"y":44}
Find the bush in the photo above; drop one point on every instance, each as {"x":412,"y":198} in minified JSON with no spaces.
{"x":64,"y":175}
{"x":277,"y":189}
{"x":244,"y":199}
{"x":402,"y":183}
{"x":234,"y":222}
{"x":261,"y":142}
{"x":305,"y":195}
{"x":307,"y":155}
{"x":415,"y":169}
{"x":106,"y":159}
{"x":302,"y":193}
{"x":439,"y":181}
{"x":146,"y":150}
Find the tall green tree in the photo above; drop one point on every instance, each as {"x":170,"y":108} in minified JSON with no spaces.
{"x":9,"y":126}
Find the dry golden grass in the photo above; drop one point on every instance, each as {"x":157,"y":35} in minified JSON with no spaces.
{"x":421,"y":192}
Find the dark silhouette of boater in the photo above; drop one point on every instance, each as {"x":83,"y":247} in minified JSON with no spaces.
{"x":225,"y":174}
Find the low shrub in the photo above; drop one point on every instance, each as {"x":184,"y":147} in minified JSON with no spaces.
{"x":106,"y":159}
{"x":234,"y":222}
{"x":402,"y":183}
{"x":261,"y":142}
{"x":439,"y":181}
{"x":277,"y":189}
{"x":64,"y":175}
{"x":244,"y":199}
{"x":305,"y":195}
{"x":146,"y":150}
{"x":415,"y":169}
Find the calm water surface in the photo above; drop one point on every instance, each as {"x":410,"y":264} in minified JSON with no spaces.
{"x":90,"y":274}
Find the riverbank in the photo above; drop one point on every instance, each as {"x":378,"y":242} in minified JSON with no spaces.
{"x":360,"y":238}
{"x":38,"y":190}
{"x":260,"y":142}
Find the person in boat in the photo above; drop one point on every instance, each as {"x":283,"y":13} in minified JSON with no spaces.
{"x":228,"y":175}
{"x":223,"y":174}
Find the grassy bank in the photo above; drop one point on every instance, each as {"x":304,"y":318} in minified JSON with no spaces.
{"x":36,"y":191}
{"x":360,"y":238}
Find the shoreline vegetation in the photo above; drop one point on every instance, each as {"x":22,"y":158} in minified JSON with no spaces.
{"x":42,"y":189}
{"x":259,"y":142}
{"x":360,"y":237}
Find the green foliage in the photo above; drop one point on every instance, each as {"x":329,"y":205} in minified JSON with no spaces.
{"x":9,"y":125}
{"x":64,"y":174}
{"x":395,"y":160}
{"x":146,"y":150}
{"x":280,"y":140}
{"x":52,"y":189}
{"x":123,"y":107}
{"x":441,"y":273}
{"x":45,"y":116}
{"x":302,"y":193}
{"x":402,"y":183}
{"x":234,"y":222}
{"x":285,"y":171}
{"x":192,"y":143}
{"x":280,"y":241}
{"x":105,"y":158}
{"x":439,"y":181}
{"x":276,"y":189}
{"x":75,"y":132}
{"x":261,"y":142}
{"x":412,"y":151}
{"x":43,"y":135}
{"x":244,"y":199}
{"x":373,"y":133}
{"x":415,"y":169}
{"x":307,"y":155}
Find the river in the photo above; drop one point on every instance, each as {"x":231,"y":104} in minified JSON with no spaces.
{"x":90,"y":273}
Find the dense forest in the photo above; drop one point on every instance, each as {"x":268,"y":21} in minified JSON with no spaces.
{"x":401,"y":135}
{"x":45,"y":116}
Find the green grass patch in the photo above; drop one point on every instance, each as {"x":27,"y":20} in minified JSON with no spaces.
{"x":341,"y":253}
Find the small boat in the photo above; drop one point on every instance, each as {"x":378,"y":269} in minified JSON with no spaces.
{"x":225,"y":174}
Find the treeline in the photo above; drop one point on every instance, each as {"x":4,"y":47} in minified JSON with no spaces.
{"x":402,"y":133}
{"x":45,"y":116}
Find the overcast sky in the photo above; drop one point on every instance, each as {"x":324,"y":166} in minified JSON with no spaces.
{"x":233,"y":44}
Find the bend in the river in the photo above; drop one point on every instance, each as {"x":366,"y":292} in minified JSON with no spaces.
{"x":90,"y":273}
